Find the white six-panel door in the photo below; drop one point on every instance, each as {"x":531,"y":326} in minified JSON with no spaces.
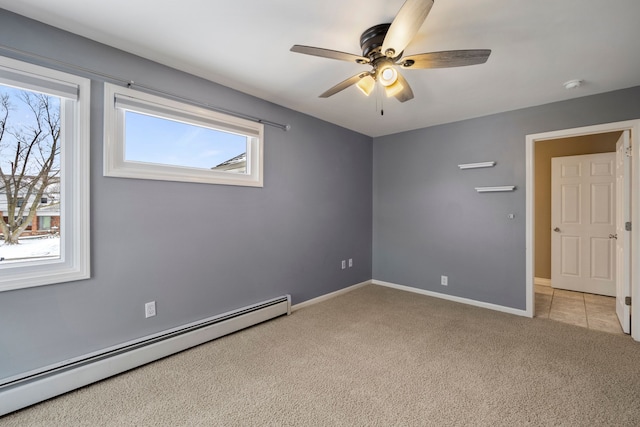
{"x":583,"y":248}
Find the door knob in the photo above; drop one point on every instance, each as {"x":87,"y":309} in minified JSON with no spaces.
{"x":557,"y":230}
{"x":613,"y":236}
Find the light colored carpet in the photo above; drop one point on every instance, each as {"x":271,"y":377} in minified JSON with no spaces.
{"x":373,"y":357}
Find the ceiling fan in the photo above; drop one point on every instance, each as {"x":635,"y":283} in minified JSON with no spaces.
{"x":382,"y":48}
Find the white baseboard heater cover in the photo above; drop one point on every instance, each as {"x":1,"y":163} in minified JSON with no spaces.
{"x":58,"y":379}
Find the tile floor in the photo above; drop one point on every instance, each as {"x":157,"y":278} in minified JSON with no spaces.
{"x":586,"y":310}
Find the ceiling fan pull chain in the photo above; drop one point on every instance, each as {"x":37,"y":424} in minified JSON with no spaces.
{"x":379,"y":100}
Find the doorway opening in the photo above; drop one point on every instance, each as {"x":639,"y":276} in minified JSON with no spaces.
{"x":575,"y":219}
{"x":538,"y":233}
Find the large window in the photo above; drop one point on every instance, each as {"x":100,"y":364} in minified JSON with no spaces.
{"x":44,"y":176}
{"x":152,"y":137}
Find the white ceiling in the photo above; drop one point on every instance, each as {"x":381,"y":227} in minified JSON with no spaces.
{"x":536,"y":46}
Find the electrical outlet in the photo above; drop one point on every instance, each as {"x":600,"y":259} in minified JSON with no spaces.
{"x":444,"y":280}
{"x":344,"y":264}
{"x":150,"y":309}
{"x":350,"y":262}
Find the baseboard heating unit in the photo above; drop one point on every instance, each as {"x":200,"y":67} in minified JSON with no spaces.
{"x":36,"y":386}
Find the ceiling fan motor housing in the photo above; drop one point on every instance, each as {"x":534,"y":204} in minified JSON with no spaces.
{"x":371,"y":40}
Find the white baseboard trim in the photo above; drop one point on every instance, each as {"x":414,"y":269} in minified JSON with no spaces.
{"x":21,"y":393}
{"x":325,"y":297}
{"x":542,"y":281}
{"x":461,"y":300}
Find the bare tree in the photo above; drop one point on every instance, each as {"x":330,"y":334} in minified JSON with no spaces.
{"x":29,"y":156}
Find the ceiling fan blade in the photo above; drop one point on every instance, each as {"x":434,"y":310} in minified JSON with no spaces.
{"x":328,"y":53}
{"x":345,"y":84}
{"x":400,"y":89}
{"x":405,"y":26}
{"x":445,"y":59}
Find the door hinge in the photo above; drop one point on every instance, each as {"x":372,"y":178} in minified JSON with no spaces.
{"x":628,"y":151}
{"x":627,"y":226}
{"x":627,"y":300}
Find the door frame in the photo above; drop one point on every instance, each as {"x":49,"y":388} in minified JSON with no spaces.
{"x":634,"y":127}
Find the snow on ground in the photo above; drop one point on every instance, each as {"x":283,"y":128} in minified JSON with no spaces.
{"x":31,"y":248}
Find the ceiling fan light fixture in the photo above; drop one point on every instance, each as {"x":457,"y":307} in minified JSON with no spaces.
{"x":366,"y":85}
{"x":388,"y":76}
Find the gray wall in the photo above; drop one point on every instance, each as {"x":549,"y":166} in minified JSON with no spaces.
{"x":428,"y":219}
{"x":197,"y":250}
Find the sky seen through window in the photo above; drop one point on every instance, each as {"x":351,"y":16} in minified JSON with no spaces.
{"x":156,"y":140}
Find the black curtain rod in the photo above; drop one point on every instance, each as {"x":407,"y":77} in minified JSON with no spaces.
{"x":131,"y":83}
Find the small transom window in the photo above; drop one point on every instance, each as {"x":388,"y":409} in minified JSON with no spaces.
{"x":151,"y":137}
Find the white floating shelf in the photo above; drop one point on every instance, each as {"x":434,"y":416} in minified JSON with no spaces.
{"x":495,"y":189}
{"x":477,"y":165}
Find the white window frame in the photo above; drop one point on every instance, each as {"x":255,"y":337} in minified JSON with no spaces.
{"x":118,"y":100}
{"x":74,"y":261}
